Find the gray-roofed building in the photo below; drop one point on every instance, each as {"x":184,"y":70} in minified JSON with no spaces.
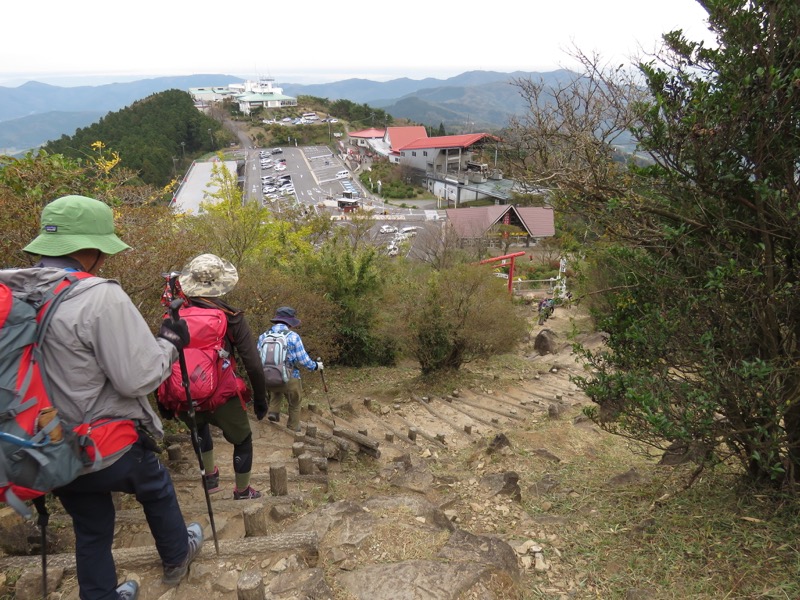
{"x":249,"y":102}
{"x":197,"y":185}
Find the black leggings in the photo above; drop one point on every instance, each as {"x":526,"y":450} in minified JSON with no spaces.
{"x":242,"y":452}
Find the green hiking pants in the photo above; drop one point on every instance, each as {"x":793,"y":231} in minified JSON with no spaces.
{"x":292,"y":391}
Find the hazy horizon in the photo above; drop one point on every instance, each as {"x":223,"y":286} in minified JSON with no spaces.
{"x":302,"y":78}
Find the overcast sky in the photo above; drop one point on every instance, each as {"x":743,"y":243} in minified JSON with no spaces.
{"x":90,"y":42}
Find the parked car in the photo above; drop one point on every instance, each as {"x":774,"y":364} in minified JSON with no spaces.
{"x":280,"y":167}
{"x":388,"y":229}
{"x":277,"y":150}
{"x":409,"y":231}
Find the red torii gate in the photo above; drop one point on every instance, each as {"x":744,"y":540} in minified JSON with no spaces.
{"x":506,"y":257}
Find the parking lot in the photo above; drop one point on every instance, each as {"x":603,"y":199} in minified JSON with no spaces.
{"x":312,"y":171}
{"x":314,"y":178}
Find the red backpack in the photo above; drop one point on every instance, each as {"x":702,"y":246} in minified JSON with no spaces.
{"x":37,"y":453}
{"x":211,"y":368}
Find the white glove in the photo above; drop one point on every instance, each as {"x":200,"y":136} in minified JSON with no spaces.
{"x":320,"y":366}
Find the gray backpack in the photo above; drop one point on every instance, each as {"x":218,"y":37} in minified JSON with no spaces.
{"x":273,"y":350}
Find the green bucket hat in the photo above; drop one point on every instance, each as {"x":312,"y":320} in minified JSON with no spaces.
{"x":74,"y":223}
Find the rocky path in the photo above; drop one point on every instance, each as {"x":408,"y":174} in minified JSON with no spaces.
{"x":392,"y":495}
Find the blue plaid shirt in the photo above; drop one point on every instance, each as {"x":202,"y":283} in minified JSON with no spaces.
{"x":295,"y":351}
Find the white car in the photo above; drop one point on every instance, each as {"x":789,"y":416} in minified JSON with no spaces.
{"x":388,"y":229}
{"x":280,"y":167}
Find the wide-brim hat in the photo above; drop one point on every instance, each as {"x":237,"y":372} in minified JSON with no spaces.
{"x":286,"y":315}
{"x":73,"y":223}
{"x":208,"y":275}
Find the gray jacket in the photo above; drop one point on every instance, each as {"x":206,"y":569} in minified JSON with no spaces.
{"x":99,"y":352}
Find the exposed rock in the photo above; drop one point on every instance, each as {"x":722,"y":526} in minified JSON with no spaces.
{"x":326,"y":518}
{"x":544,"y":485}
{"x":29,"y":584}
{"x":280,"y":566}
{"x":546,"y":342}
{"x":506,"y":484}
{"x":440,"y":581}
{"x":680,"y":452}
{"x":555,"y":410}
{"x":467,"y":547}
{"x":308,"y":583}
{"x":409,"y":473}
{"x":418,"y":506}
{"x":499,"y":441}
{"x":545,"y":453}
{"x":281,"y":512}
{"x":626,"y":478}
{"x":225,"y":583}
{"x":539,"y":563}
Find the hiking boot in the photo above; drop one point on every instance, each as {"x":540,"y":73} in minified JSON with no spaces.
{"x":128,"y":591}
{"x":274,"y":417}
{"x":246,"y":494}
{"x":212,"y":481}
{"x":173,"y":575}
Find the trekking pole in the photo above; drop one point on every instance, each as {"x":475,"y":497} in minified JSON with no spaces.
{"x":42,"y":521}
{"x":325,"y":387}
{"x":173,"y":311}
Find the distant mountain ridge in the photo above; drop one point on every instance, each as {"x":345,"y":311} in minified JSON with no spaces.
{"x":471,"y":101}
{"x":35,"y":113}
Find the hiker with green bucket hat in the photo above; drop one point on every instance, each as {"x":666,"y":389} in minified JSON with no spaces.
{"x":102,"y":361}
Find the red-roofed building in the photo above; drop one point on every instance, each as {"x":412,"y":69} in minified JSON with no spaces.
{"x":444,"y":165}
{"x":397,"y":137}
{"x":446,"y":155}
{"x":475,"y":223}
{"x":363,"y":137}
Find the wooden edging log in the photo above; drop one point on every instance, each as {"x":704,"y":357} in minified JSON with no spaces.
{"x":439,"y":415}
{"x":305,"y":544}
{"x":511,"y":405}
{"x":454,"y":406}
{"x":419,"y":431}
{"x":496,"y":411}
{"x":368,"y":449}
{"x":538,"y":404}
{"x":220,"y":502}
{"x":343,"y":447}
{"x":395,"y":434}
{"x":366,"y":445}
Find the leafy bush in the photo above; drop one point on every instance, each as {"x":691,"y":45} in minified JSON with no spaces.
{"x":455,"y":316}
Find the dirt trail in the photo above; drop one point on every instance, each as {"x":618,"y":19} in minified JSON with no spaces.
{"x":430,"y":469}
